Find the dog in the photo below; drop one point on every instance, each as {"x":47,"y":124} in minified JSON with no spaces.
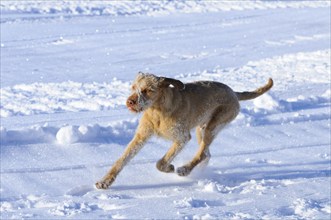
{"x":171,"y":110}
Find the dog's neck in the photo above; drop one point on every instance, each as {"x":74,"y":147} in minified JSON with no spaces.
{"x":166,"y":105}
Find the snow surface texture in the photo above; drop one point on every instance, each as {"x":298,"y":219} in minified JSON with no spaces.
{"x":152,"y":8}
{"x":65,"y":76}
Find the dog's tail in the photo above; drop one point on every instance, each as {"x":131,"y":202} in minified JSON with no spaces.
{"x":251,"y":95}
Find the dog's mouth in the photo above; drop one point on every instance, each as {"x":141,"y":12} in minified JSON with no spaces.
{"x":134,"y":110}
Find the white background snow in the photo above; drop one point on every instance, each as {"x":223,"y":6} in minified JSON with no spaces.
{"x":66,"y":69}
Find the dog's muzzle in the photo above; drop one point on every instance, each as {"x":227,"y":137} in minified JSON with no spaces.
{"x":133,"y":104}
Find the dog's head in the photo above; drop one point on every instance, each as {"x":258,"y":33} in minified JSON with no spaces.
{"x":147,"y":89}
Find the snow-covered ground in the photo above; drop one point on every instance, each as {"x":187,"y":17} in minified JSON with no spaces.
{"x":66,"y":69}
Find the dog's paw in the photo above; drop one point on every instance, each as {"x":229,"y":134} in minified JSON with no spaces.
{"x":170,"y":169}
{"x":104,"y":184}
{"x":167,"y":168}
{"x":183,"y":171}
{"x":101,"y":185}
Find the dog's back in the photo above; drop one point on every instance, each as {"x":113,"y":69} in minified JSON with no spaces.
{"x":196,"y":104}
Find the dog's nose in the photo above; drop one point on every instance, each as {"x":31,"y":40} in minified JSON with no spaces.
{"x":130,"y":102}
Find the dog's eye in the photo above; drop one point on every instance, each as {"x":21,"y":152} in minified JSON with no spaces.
{"x":147,"y":91}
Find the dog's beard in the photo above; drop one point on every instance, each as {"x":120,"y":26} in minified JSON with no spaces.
{"x":134,"y":109}
{"x":142,"y":105}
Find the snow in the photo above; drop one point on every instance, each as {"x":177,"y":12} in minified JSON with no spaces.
{"x":66,"y":71}
{"x":45,"y":98}
{"x":151,"y":8}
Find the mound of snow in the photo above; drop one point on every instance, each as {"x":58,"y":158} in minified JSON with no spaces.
{"x":68,"y":135}
{"x":265,"y":102}
{"x":118,"y":132}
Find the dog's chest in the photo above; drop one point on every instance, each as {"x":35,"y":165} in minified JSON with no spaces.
{"x":166,"y":127}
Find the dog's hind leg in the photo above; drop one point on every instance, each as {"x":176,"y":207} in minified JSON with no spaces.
{"x":220,"y":118}
{"x":199,"y":133}
{"x":200,"y":130}
{"x":203,"y":154}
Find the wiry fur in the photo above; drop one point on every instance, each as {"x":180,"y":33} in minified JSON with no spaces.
{"x":171,"y":110}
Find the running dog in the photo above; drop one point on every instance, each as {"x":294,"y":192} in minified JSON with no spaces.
{"x":171,"y":109}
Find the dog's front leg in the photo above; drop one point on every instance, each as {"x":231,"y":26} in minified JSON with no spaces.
{"x":132,"y":149}
{"x":164,"y":164}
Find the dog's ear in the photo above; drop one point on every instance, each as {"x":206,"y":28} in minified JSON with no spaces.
{"x":166,"y":82}
{"x":140,"y":73}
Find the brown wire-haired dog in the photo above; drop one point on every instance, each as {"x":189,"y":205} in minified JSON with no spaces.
{"x":171,"y":109}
